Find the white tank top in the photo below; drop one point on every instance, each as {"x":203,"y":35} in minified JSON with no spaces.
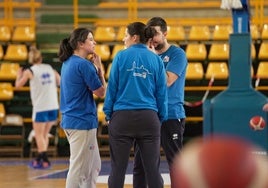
{"x":43,"y":88}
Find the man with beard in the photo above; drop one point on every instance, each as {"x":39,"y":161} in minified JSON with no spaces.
{"x":174,"y":59}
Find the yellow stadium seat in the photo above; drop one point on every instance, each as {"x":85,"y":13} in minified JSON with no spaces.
{"x":219,"y":51}
{"x":199,"y":33}
{"x":254,"y":31}
{"x":104,"y":34}
{"x":6,"y":91}
{"x":261,"y":74}
{"x":120,"y":33}
{"x":2,"y":112}
{"x":24,"y":34}
{"x":8,"y":71}
{"x":117,"y":48}
{"x":195,"y":51}
{"x":217,"y":70}
{"x":12,"y":134}
{"x":253,"y":51}
{"x":263,"y":51}
{"x":16,"y":52}
{"x":102,"y":132}
{"x":222,"y":32}
{"x":264,"y":32}
{"x":101,"y":115}
{"x":101,"y":118}
{"x":194,"y":71}
{"x":103,"y":50}
{"x":175,"y":33}
{"x":1,"y":52}
{"x":5,"y":34}
{"x":262,"y":70}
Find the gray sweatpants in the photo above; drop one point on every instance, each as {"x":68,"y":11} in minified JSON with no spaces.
{"x":85,"y":162}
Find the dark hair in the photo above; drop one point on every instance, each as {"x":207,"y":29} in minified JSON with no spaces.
{"x":68,"y":45}
{"x":140,"y":29}
{"x":158,"y":21}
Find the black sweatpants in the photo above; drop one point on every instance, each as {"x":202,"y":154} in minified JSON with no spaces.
{"x":143,"y":127}
{"x":171,"y":141}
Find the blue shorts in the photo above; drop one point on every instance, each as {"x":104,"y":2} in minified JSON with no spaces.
{"x":45,"y":116}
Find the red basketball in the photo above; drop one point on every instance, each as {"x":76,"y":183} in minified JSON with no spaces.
{"x":219,"y":162}
{"x":257,"y":123}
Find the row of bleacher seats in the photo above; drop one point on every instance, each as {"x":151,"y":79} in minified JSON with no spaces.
{"x":178,"y":33}
{"x":194,"y":51}
{"x":199,"y":51}
{"x":219,"y":70}
{"x":106,"y":34}
{"x":17,"y":34}
{"x":195,"y":71}
{"x":215,"y":70}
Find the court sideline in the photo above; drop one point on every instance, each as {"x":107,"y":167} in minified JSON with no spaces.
{"x":15,"y":173}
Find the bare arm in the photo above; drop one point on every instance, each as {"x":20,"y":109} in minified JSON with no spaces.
{"x":171,"y":78}
{"x":100,"y":92}
{"x":57,"y":77}
{"x":22,"y":77}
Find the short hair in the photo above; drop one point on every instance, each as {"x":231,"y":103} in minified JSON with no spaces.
{"x":158,"y":21}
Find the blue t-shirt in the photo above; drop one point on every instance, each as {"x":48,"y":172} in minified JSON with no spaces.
{"x":176,"y":62}
{"x":137,"y":80}
{"x":78,"y":79}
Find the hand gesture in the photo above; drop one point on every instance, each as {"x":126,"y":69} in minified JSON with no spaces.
{"x":150,"y":45}
{"x":96,"y":59}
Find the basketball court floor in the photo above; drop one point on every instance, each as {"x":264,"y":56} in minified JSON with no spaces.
{"x":15,"y":173}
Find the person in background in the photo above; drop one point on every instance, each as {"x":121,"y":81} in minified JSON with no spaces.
{"x":81,"y":78}
{"x":44,"y":96}
{"x":135,"y":105}
{"x":172,"y":130}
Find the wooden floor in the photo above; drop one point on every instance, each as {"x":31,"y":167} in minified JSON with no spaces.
{"x":15,"y":173}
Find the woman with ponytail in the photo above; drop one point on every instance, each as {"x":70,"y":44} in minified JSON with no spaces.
{"x":135,"y":105}
{"x":80,"y":79}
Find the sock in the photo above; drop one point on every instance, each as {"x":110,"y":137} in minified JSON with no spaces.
{"x":39,"y":157}
{"x":44,"y":157}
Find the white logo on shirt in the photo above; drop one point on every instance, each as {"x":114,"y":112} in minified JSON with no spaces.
{"x":166,"y":59}
{"x":139,"y":71}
